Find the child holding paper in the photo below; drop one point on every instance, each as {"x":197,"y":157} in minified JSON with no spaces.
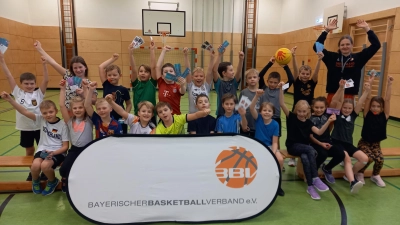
{"x":170,"y":86}
{"x":252,"y":79}
{"x":231,"y":121}
{"x":304,"y":86}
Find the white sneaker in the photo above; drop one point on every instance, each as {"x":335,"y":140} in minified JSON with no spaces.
{"x":378,"y":181}
{"x":360,"y":177}
{"x":292,"y":162}
{"x":341,"y":164}
{"x":345,"y":178}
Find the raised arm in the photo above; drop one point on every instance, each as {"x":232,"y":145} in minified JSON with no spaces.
{"x":315,"y":74}
{"x":242,"y":113}
{"x":388,"y":94}
{"x":209,"y":74}
{"x":238,"y":75}
{"x":216,"y":64}
{"x":338,"y":98}
{"x":153,"y":60}
{"x":63,"y":108}
{"x":7,"y":72}
{"x":289,"y":75}
{"x":18,"y":107}
{"x":252,"y":106}
{"x":102,"y":67}
{"x":320,"y":131}
{"x":370,"y":51}
{"x":45,"y":81}
{"x":187,"y":63}
{"x":117,"y":108}
{"x":261,"y":82}
{"x":161,"y":60}
{"x":295,"y":67}
{"x":134,"y":71}
{"x":361,"y":100}
{"x":282,"y":99}
{"x":182,"y":82}
{"x":198,"y":114}
{"x":88,"y":99}
{"x":368,"y":99}
{"x":61,"y":70}
{"x":321,"y":39}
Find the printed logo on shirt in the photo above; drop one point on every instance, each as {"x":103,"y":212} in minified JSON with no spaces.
{"x":117,"y":96}
{"x":166,"y":93}
{"x":34,"y":102}
{"x":348,"y":65}
{"x":174,"y":90}
{"x":52,"y":134}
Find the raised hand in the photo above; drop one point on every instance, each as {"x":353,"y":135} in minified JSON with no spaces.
{"x":390,"y":80}
{"x":362,"y":24}
{"x":241,"y":55}
{"x":6,"y":96}
{"x":185,"y":51}
{"x":320,"y":55}
{"x":167,"y":48}
{"x":37,"y":44}
{"x":367,"y":86}
{"x":109,"y":98}
{"x":2,"y":57}
{"x":115,"y":56}
{"x":206,"y":112}
{"x":342,"y":83}
{"x":293,"y":50}
{"x":152,"y":44}
{"x":62,"y":84}
{"x":130,"y":48}
{"x":79,"y":91}
{"x":43,"y":60}
{"x":281,"y":84}
{"x":259,"y":92}
{"x":272,"y":59}
{"x":242,"y":111}
{"x":332,"y":25}
{"x":93,"y":85}
{"x":332,"y":118}
{"x":85,"y":83}
{"x":181,"y":81}
{"x":220,"y":53}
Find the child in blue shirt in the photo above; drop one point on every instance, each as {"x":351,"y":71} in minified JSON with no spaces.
{"x":230,"y":122}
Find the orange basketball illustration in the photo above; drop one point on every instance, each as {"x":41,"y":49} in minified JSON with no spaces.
{"x":283,"y":56}
{"x":236,"y":168}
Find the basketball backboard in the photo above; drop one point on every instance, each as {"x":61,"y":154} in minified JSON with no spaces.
{"x":335,"y":12}
{"x":156,"y":21}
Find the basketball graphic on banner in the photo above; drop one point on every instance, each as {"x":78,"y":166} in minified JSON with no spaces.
{"x":236,"y":168}
{"x":283,"y":56}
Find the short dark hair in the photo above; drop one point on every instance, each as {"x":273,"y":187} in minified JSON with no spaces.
{"x":223,"y":67}
{"x":113,"y":67}
{"x":228,"y":96}
{"x":146,"y":68}
{"x":379,"y":100}
{"x":201,"y":96}
{"x":27,"y":76}
{"x":274,"y":75}
{"x":162,"y":104}
{"x":167,"y":65}
{"x":320,"y":99}
{"x":78,"y":59}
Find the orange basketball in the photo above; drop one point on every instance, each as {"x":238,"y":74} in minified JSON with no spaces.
{"x":236,"y":168}
{"x":283,"y":56}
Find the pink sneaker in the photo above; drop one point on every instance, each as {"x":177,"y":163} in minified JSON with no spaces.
{"x":360,"y":177}
{"x":378,"y":181}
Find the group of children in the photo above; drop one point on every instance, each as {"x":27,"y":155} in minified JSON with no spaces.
{"x":308,"y":134}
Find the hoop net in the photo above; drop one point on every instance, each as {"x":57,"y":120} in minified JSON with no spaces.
{"x":164,"y":35}
{"x":318,"y":30}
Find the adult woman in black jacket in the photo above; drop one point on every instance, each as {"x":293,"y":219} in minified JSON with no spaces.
{"x":345,"y":64}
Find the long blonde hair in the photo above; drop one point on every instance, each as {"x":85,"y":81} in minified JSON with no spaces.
{"x":300,"y":104}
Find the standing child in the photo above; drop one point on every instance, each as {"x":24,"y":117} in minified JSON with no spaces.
{"x":140,"y":124}
{"x":252,"y":79}
{"x":144,"y":80}
{"x":173,"y":124}
{"x":80,"y":129}
{"x":77,"y":68}
{"x":227,"y":81}
{"x":204,"y":125}
{"x":104,"y":124}
{"x":109,"y":77}
{"x":52,"y":146}
{"x":168,"y":90}
{"x":299,"y":129}
{"x":231,"y":121}
{"x":199,"y":83}
{"x":342,"y":134}
{"x":303,"y":86}
{"x":376,"y":115}
{"x":266,"y":129}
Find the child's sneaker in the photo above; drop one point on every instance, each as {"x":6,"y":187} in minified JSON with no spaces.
{"x":328,"y":174}
{"x":36,"y":188}
{"x":292,"y":162}
{"x":64,"y":185}
{"x":313,"y":193}
{"x":319,"y":185}
{"x":50,"y":187}
{"x":355,"y":186}
{"x":378,"y":181}
{"x":360,"y":177}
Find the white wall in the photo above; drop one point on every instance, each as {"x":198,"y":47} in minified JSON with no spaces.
{"x":298,"y":14}
{"x":17,"y":10}
{"x":44,"y":12}
{"x":269,"y":16}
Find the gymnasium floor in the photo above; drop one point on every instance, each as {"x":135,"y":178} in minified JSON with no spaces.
{"x":373,"y":205}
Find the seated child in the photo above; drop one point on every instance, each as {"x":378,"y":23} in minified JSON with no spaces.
{"x":53,"y":143}
{"x":205,"y":125}
{"x":174,"y":124}
{"x":140,"y":124}
{"x":104,"y":124}
{"x":230,"y":121}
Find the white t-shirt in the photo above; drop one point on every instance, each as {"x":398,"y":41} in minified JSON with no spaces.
{"x":80,"y":131}
{"x":135,"y":127}
{"x":194,"y":91}
{"x":31,"y":102}
{"x":52,"y":135}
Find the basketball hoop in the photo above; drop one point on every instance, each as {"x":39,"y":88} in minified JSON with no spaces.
{"x":164,"y":35}
{"x":318,"y":30}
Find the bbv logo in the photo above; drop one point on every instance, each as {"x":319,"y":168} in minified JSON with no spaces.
{"x":236,"y":168}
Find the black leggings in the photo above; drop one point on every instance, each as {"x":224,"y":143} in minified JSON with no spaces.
{"x":336,"y":153}
{"x":307,"y":155}
{"x":73,"y":153}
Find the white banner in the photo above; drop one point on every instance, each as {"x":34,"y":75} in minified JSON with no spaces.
{"x":132,"y":179}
